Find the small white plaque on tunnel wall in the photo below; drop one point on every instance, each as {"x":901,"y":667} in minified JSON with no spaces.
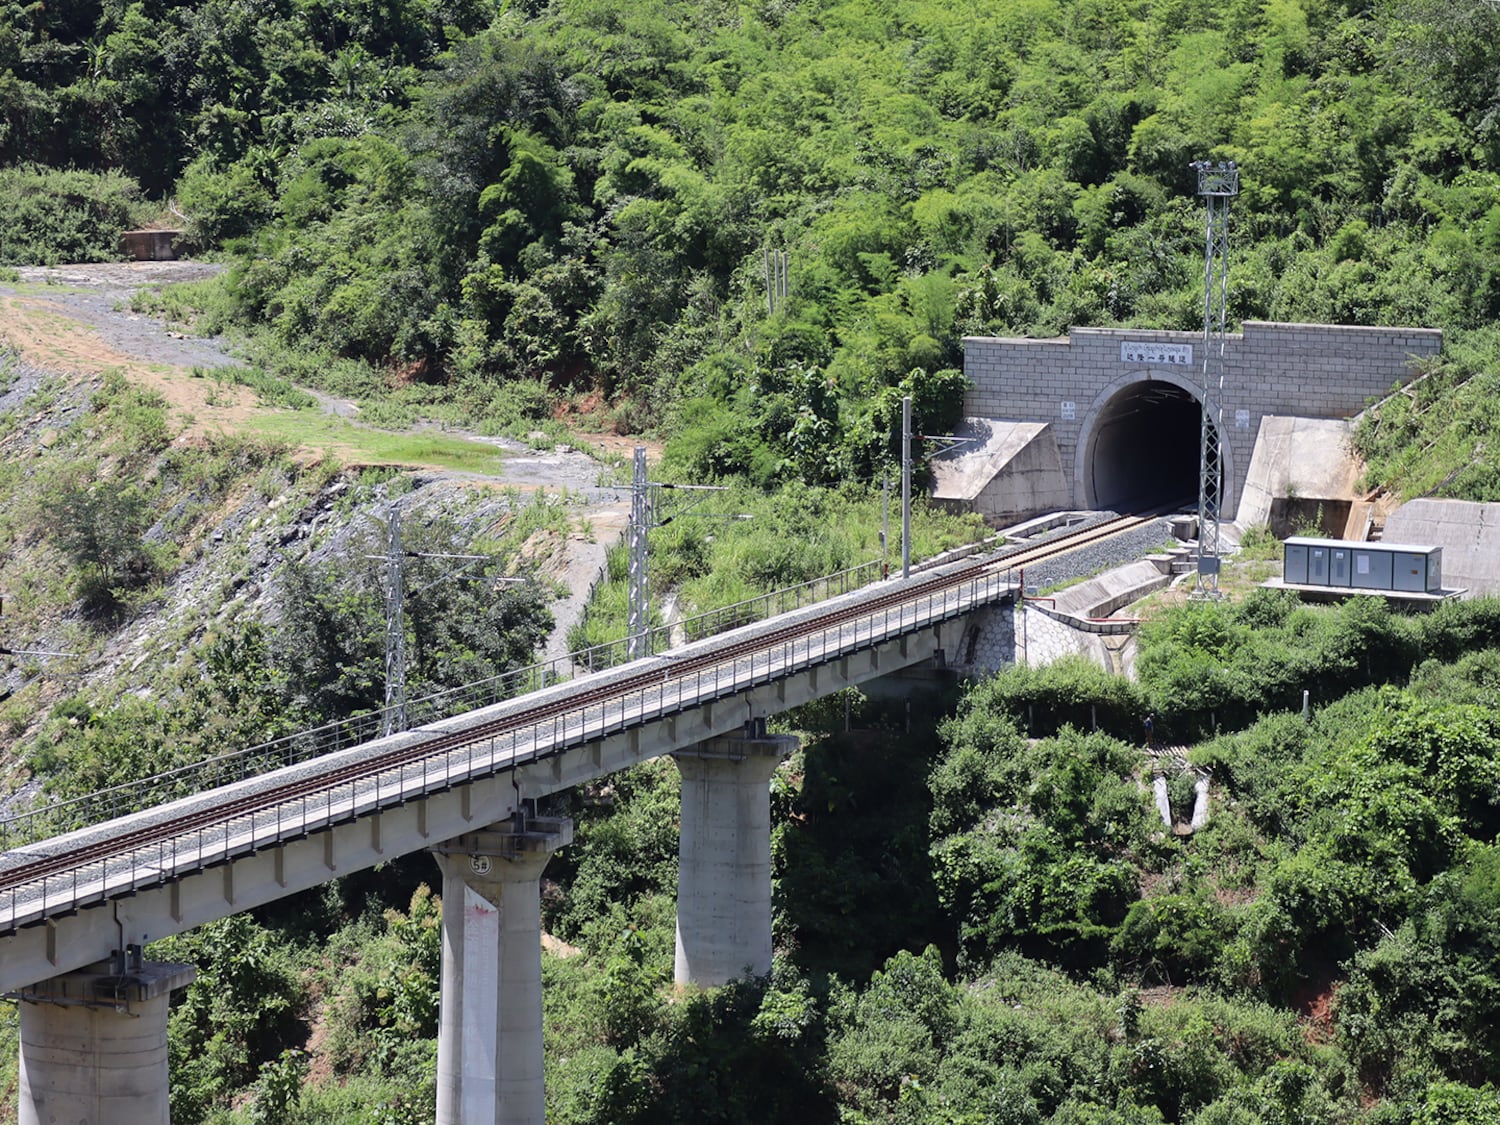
{"x":1069,"y":410}
{"x":1242,"y":419}
{"x":1166,"y":355}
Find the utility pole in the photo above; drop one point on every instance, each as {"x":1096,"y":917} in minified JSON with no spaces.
{"x":948,"y":442}
{"x":642,"y":521}
{"x":776,"y":279}
{"x":885,"y":521}
{"x":638,"y":617}
{"x":906,"y":486}
{"x":394,"y":714}
{"x":1218,"y":184}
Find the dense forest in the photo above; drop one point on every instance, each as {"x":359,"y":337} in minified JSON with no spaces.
{"x":583,"y":195}
{"x":497,"y":212}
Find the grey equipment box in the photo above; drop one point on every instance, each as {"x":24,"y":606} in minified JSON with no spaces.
{"x":1372,"y":569}
{"x":1340,"y":563}
{"x":1399,"y":567}
{"x":1417,"y":568}
{"x":1294,"y":562}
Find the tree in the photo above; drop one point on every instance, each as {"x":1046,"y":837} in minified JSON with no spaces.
{"x":101,"y":528}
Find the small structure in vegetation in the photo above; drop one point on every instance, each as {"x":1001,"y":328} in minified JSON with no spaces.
{"x":150,"y":245}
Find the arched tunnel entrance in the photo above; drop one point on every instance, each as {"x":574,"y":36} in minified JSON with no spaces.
{"x":1143,"y":448}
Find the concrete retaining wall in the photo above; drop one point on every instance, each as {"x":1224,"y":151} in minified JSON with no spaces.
{"x":1468,"y":533}
{"x":1006,"y":635}
{"x":150,"y":245}
{"x":989,"y":644}
{"x":1004,"y":471}
{"x":1298,"y":457}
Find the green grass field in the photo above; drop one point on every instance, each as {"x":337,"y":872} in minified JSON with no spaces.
{"x":355,"y":444}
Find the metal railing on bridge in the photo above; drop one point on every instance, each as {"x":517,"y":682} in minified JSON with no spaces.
{"x":58,"y":817}
{"x":640,"y":700}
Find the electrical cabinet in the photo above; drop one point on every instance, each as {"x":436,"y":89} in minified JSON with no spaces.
{"x":1399,"y":567}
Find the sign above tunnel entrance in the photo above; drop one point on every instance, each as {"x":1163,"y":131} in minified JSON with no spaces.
{"x":1165,"y":355}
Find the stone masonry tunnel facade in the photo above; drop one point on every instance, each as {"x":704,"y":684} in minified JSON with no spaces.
{"x":1123,"y":405}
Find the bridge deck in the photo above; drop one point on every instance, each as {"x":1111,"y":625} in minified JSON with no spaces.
{"x":57,"y":877}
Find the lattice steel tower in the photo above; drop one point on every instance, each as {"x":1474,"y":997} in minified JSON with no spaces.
{"x":1218,"y":184}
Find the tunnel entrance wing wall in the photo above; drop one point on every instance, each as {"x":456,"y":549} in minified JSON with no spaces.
{"x":1305,"y":370}
{"x":1005,"y":471}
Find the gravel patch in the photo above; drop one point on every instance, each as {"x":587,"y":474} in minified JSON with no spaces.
{"x":1096,"y":558}
{"x":99,"y":295}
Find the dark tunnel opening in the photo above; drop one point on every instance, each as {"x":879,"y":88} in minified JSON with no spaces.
{"x":1145,"y":448}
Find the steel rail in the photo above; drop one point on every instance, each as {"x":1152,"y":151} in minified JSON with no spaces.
{"x":31,"y":826}
{"x":482,"y":732}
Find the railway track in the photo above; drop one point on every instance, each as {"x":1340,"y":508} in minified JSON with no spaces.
{"x":1030,"y":554}
{"x":658,"y":673}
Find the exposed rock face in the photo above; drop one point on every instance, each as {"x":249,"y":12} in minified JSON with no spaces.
{"x":230,"y":529}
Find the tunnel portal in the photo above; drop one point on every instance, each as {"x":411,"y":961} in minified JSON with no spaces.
{"x":1144,"y":448}
{"x":1106,"y":415}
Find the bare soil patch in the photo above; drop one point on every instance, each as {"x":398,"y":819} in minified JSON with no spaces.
{"x":46,"y":333}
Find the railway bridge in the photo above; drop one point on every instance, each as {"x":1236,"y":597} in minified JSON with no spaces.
{"x":77,"y":909}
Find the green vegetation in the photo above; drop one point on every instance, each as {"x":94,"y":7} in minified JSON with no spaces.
{"x":64,"y":216}
{"x":322,"y":660}
{"x":269,"y":390}
{"x":100,"y":528}
{"x":1017,"y":937}
{"x":742,"y":543}
{"x":309,"y":430}
{"x":1435,"y":436}
{"x":582,"y":195}
{"x":1329,"y":868}
{"x":492,"y":214}
{"x":1321,"y":951}
{"x":102,"y":519}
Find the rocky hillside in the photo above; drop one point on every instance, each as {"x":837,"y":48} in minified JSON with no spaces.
{"x":157,"y":496}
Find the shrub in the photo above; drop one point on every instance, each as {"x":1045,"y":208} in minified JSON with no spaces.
{"x":1175,"y":938}
{"x":101,"y":527}
{"x":55,"y":216}
{"x":222,"y":202}
{"x":1073,"y":691}
{"x":1036,"y":857}
{"x":241,"y":1012}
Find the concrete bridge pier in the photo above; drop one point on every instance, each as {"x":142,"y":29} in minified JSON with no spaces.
{"x":490,"y":1013}
{"x":724,"y":867}
{"x":94,"y":1044}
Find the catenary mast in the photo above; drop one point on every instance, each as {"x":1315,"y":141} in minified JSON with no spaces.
{"x":1218,"y":184}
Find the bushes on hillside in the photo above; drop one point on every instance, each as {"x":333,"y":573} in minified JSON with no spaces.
{"x":1034,"y":844}
{"x":1073,"y":692}
{"x":1212,"y":666}
{"x":243,"y":1009}
{"x":101,"y":527}
{"x":54,"y":216}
